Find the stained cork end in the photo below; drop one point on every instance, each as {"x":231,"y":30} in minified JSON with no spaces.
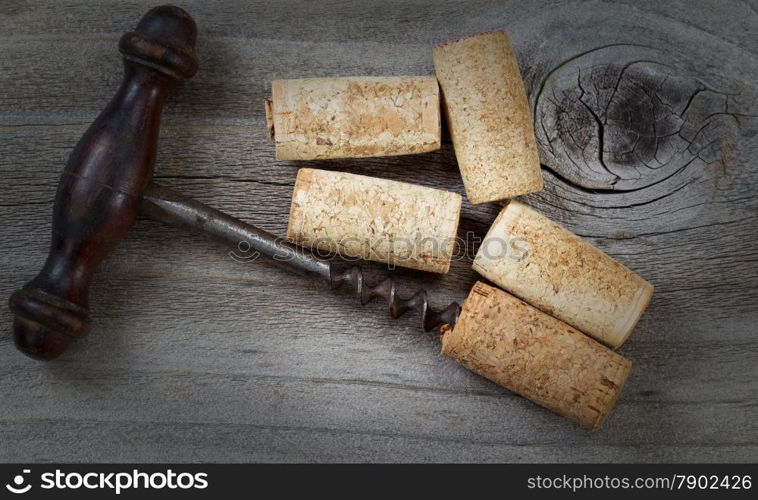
{"x":269,"y":105}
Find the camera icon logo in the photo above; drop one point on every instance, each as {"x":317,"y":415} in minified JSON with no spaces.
{"x":18,"y":484}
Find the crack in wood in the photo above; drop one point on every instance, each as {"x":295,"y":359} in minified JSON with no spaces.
{"x":620,"y":119}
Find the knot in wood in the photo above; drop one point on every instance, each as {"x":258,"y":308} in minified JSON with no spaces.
{"x":621,"y":118}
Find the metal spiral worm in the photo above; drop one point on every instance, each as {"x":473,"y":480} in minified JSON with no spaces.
{"x":387,"y":289}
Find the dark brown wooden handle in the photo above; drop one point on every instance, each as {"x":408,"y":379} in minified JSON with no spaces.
{"x":101,"y":187}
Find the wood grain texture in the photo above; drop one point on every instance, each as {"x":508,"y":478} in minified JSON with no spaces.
{"x":646,"y":123}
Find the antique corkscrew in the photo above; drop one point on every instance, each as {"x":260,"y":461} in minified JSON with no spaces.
{"x":107,"y":181}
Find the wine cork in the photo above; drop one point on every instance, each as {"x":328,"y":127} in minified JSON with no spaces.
{"x":488,"y":117}
{"x":563,"y":275}
{"x":375,"y":219}
{"x":536,"y":356}
{"x":354,"y":117}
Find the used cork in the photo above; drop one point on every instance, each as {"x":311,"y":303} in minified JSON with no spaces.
{"x":353,"y":117}
{"x":488,"y":116}
{"x":375,"y":219}
{"x":558,"y":272}
{"x":536,"y":356}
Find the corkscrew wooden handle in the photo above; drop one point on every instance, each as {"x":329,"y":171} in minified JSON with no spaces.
{"x":101,"y":187}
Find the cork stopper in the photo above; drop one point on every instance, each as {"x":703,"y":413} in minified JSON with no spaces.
{"x":488,"y":116}
{"x":354,"y":117}
{"x":558,"y":272}
{"x":536,"y":356}
{"x":386,"y":221}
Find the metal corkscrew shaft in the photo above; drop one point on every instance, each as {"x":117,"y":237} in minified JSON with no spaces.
{"x":166,"y":205}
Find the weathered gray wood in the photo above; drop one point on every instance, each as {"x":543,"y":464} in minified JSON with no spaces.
{"x":646,"y":117}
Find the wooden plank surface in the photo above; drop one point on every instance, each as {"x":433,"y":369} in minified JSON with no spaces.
{"x":646,"y":116}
